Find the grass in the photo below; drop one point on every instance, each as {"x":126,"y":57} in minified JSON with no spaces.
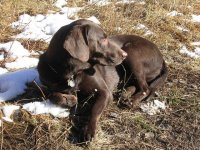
{"x":178,"y":127}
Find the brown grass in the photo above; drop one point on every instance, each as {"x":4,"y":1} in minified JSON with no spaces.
{"x":178,"y":127}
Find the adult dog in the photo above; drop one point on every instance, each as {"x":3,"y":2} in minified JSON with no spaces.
{"x":74,"y":49}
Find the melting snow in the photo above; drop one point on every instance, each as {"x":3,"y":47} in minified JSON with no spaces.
{"x":60,"y":3}
{"x":7,"y":111}
{"x":14,"y":49}
{"x":195,"y":54}
{"x":174,"y":13}
{"x":153,"y":107}
{"x":182,"y":29}
{"x":195,"y":43}
{"x":3,"y":70}
{"x":196,"y":18}
{"x":46,"y":107}
{"x":143,"y":27}
{"x":23,"y":62}
{"x":14,"y":83}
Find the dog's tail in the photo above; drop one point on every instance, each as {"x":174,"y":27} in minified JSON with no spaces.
{"x":158,"y":81}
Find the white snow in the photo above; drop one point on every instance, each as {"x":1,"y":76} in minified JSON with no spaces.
{"x":195,"y":43}
{"x":44,"y":28}
{"x":195,"y":54}
{"x":196,"y":18}
{"x":13,"y":84}
{"x":14,"y":49}
{"x":46,"y":107}
{"x":182,"y":29}
{"x":99,"y":2}
{"x":131,"y":1}
{"x":153,"y":107}
{"x":174,"y":13}
{"x":22,"y":62}
{"x":60,"y":3}
{"x":3,"y":70}
{"x":7,"y":111}
{"x":140,"y":26}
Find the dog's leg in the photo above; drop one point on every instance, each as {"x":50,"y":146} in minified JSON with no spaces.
{"x":142,"y":83}
{"x":158,"y":82}
{"x":128,"y":92}
{"x":102,"y":101}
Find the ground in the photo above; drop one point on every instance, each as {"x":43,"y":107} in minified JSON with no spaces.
{"x":177,"y":127}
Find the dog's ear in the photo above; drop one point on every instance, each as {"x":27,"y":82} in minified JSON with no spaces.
{"x":76,"y":43}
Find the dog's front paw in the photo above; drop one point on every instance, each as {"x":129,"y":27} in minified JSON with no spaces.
{"x":70,"y":100}
{"x":89,"y":132}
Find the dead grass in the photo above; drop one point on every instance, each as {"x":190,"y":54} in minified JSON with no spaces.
{"x":178,"y":127}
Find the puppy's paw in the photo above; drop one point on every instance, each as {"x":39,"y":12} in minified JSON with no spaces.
{"x":70,"y":100}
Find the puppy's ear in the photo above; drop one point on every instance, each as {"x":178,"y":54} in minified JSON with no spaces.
{"x":76,"y":43}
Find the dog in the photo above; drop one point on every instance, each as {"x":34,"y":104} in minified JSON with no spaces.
{"x":77,"y":55}
{"x":74,"y":48}
{"x":144,"y":69}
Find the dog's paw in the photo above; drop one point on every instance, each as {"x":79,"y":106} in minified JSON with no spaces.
{"x":70,"y":100}
{"x":89,"y":133}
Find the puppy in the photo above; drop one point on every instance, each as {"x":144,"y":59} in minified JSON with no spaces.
{"x":144,"y":69}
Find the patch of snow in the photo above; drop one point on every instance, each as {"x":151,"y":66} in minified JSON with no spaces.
{"x":99,"y":2}
{"x":182,"y":29}
{"x":131,"y":1}
{"x":140,"y":26}
{"x":143,"y":27}
{"x":70,"y":11}
{"x":195,"y":43}
{"x":22,"y":62}
{"x":46,"y":107}
{"x":196,"y":18}
{"x":35,"y":108}
{"x":197,"y":51}
{"x":60,"y":3}
{"x":3,"y":70}
{"x":174,"y":13}
{"x":148,"y":32}
{"x":1,"y":56}
{"x":14,"y":49}
{"x":42,"y":27}
{"x":153,"y":107}
{"x":195,"y":54}
{"x":7,"y":111}
{"x":13,"y":84}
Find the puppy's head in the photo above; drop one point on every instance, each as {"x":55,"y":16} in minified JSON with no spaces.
{"x":90,"y":43}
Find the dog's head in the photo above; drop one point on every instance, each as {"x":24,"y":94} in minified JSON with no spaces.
{"x":90,"y":43}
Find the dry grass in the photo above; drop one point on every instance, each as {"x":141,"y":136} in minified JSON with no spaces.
{"x":178,"y":127}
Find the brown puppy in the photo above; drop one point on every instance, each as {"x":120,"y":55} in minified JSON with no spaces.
{"x":144,"y":69}
{"x":74,"y":49}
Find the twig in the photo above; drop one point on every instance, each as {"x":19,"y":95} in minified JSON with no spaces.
{"x":40,"y":90}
